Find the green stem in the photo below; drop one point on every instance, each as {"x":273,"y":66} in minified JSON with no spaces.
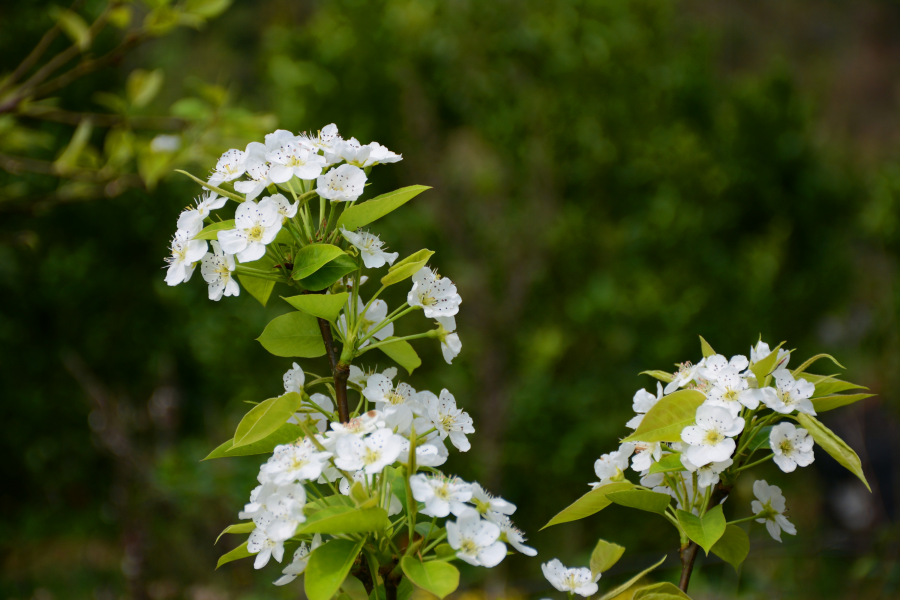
{"x":365,"y":308}
{"x":387,"y":321}
{"x":410,"y":501}
{"x":435,"y":542}
{"x":213,"y":188}
{"x":432,"y":333}
{"x":330,"y":217}
{"x":744,"y":520}
{"x":753,"y":464}
{"x":250,"y":272}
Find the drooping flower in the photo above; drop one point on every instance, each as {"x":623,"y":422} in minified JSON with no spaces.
{"x":644,"y":455}
{"x":448,"y":420}
{"x":450,"y":344}
{"x":299,"y":561}
{"x":789,"y":394}
{"x":730,"y":390}
{"x":218,"y":271}
{"x":611,"y":466}
{"x":510,"y":534}
{"x":368,"y":155}
{"x":492,"y":507}
{"x":341,"y":184}
{"x":294,"y":379}
{"x":256,"y":226}
{"x":191,"y":219}
{"x":229,"y":167}
{"x":299,"y":461}
{"x":370,"y":248}
{"x":577,"y":580}
{"x":769,"y":506}
{"x":476,"y":540}
{"x":436,"y":295}
{"x":710,"y":439}
{"x":294,"y":159}
{"x":185,"y":252}
{"x":708,"y":474}
{"x":371,"y":453}
{"x":642,"y":402}
{"x":791,"y":446}
{"x":441,"y":495}
{"x":264,"y":547}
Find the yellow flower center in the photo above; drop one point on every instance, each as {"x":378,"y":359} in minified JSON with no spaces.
{"x":371,"y":456}
{"x":255,"y":233}
{"x":713,"y":437}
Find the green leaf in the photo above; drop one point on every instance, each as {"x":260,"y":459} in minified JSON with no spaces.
{"x":733,"y":546}
{"x":642,"y":500}
{"x":328,"y":567}
{"x":761,"y":439}
{"x":625,"y":586}
{"x":236,"y":554}
{"x":206,"y":8}
{"x":285,"y":434}
{"x":667,"y":464}
{"x":73,"y":26}
{"x":604,"y":556}
{"x":663,"y":376}
{"x":660,"y":591}
{"x":239,"y":528}
{"x":763,"y":368}
{"x":407,"y":267}
{"x":707,"y":530}
{"x":260,"y":289}
{"x":315,"y":506}
{"x":293,"y":334}
{"x":143,"y":86}
{"x":664,"y":422}
{"x":826,"y":386}
{"x":406,"y":589}
{"x":265,"y":418}
{"x":592,"y":502}
{"x":825,"y":403}
{"x":328,"y":274}
{"x":354,"y":588}
{"x":211,"y":232}
{"x":362,"y":214}
{"x":438,"y":577}
{"x":324,"y":306}
{"x":429,"y":529}
{"x":706,"y":348}
{"x":809,"y":362}
{"x":833,"y":445}
{"x":313,"y":257}
{"x":445,"y":551}
{"x":402,"y":353}
{"x":345,"y":519}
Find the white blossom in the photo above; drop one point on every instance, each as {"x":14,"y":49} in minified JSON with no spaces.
{"x":324,"y":140}
{"x":789,"y":394}
{"x":381,"y":390}
{"x":185,"y":253}
{"x":441,"y":495}
{"x":299,"y":562}
{"x":432,"y":453}
{"x":229,"y":167}
{"x":341,"y":184}
{"x":769,"y":506}
{"x":283,"y":207}
{"x":360,"y":377}
{"x":371,"y":318}
{"x":761,"y":351}
{"x":450,"y":344}
{"x":294,"y":159}
{"x":370,"y":248}
{"x":475,"y":540}
{"x":294,"y":379}
{"x":315,"y":419}
{"x":708,"y":474}
{"x":732,"y":391}
{"x":642,"y":402}
{"x":710,"y":439}
{"x":492,"y":507}
{"x":264,"y":547}
{"x":256,"y":226}
{"x":165,"y":143}
{"x":686,"y":373}
{"x":791,"y":446}
{"x":510,"y":534}
{"x":713,"y":365}
{"x":436,"y":295}
{"x":371,"y":453}
{"x":368,"y":155}
{"x":611,"y":466}
{"x":577,"y":580}
{"x":218,"y":271}
{"x":644,"y":455}
{"x":191,"y":219}
{"x":448,"y":420}
{"x":299,"y":461}
{"x":257,"y":169}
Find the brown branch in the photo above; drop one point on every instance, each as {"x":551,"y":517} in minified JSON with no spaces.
{"x":16,"y":165}
{"x":103,"y":120}
{"x":690,"y":551}
{"x":339,"y":371}
{"x":32,"y":58}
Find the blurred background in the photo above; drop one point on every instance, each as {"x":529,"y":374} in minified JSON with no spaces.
{"x":611,"y":179}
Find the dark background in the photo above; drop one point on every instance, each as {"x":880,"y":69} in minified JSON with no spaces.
{"x":611,"y":179}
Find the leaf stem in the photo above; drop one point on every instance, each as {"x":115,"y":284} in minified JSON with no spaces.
{"x":753,"y":464}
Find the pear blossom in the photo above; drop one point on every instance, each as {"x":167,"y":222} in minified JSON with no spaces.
{"x":656,"y":482}
{"x":732,"y":391}
{"x":379,"y":155}
{"x":276,"y":140}
{"x":283,"y":206}
{"x":713,"y":365}
{"x":217,"y":269}
{"x":789,"y":394}
{"x":710,"y":439}
{"x":492,"y":507}
{"x":324,"y":140}
{"x":476,"y":541}
{"x":791,"y":446}
{"x":448,"y":420}
{"x":642,"y":402}
{"x":510,"y":534}
{"x":185,"y":252}
{"x":299,"y":461}
{"x":450,"y":344}
{"x":708,"y":474}
{"x":371,"y":318}
{"x":256,"y":225}
{"x":370,"y":248}
{"x":436,"y":295}
{"x":441,"y":495}
{"x":299,"y":561}
{"x":294,"y":379}
{"x":761,"y":351}
{"x":264,"y":547}
{"x":257,"y":169}
{"x":192,"y":218}
{"x":578,"y":580}
{"x":286,"y":508}
{"x":342,"y":184}
{"x":686,"y":373}
{"x":432,"y":453}
{"x":294,"y":159}
{"x":368,"y":155}
{"x":258,"y":499}
{"x":644,"y":455}
{"x":611,"y":466}
{"x":381,"y":390}
{"x":315,"y":419}
{"x":769,"y":506}
{"x":364,"y":424}
{"x":230,"y":166}
{"x":371,"y":453}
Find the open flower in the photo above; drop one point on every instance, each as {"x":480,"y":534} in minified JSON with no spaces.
{"x":371,"y":453}
{"x":642,"y":402}
{"x":761,"y":351}
{"x":299,"y":561}
{"x":578,"y":580}
{"x":475,"y":540}
{"x":644,"y":455}
{"x":510,"y":534}
{"x":283,"y":207}
{"x":370,"y":248}
{"x":256,"y":226}
{"x":611,"y":466}
{"x":441,"y":495}
{"x":432,"y":453}
{"x":294,"y":379}
{"x":381,"y":390}
{"x":218,"y":271}
{"x":686,"y":373}
{"x":230,"y":166}
{"x":708,"y":474}
{"x":789,"y":394}
{"x":448,"y":420}
{"x":436,"y":295}
{"x":730,"y":390}
{"x":713,"y":365}
{"x":191,"y":219}
{"x":710,"y":439}
{"x":769,"y":506}
{"x":264,"y":547}
{"x":299,"y":461}
{"x":450,"y":344}
{"x":791,"y":446}
{"x":342,"y":184}
{"x":293,"y":159}
{"x":185,"y":253}
{"x":324,"y":140}
{"x":489,"y":505}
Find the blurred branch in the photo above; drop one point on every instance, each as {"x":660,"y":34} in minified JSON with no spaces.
{"x":103,"y":120}
{"x":16,"y":165}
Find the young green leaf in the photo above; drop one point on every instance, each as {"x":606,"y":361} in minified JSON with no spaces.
{"x":437,"y":577}
{"x":667,"y":464}
{"x":664,"y":422}
{"x":362,"y":214}
{"x":313,"y":257}
{"x":328,"y":567}
{"x":604,"y":556}
{"x":327,"y":307}
{"x":345,"y":519}
{"x":407,"y":267}
{"x":763,"y":368}
{"x":406,"y":589}
{"x":354,"y":588}
{"x":833,"y":445}
{"x":211,"y":232}
{"x":329,"y":273}
{"x":706,"y":348}
{"x":627,"y":585}
{"x":660,"y":591}
{"x":663,"y":376}
{"x":761,"y":439}
{"x":642,"y":500}
{"x":707,"y":530}
{"x":239,"y":528}
{"x":315,"y":506}
{"x":733,"y":546}
{"x":236,"y":554}
{"x":799,"y":370}
{"x":826,"y":403}
{"x":445,"y":552}
{"x":266,"y":418}
{"x":826,"y":386}
{"x":260,"y":289}
{"x":294,"y":334}
{"x":592,"y":502}
{"x":403,"y":354}
{"x":285,"y":434}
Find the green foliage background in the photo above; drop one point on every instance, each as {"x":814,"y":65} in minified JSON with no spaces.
{"x":607,"y":186}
